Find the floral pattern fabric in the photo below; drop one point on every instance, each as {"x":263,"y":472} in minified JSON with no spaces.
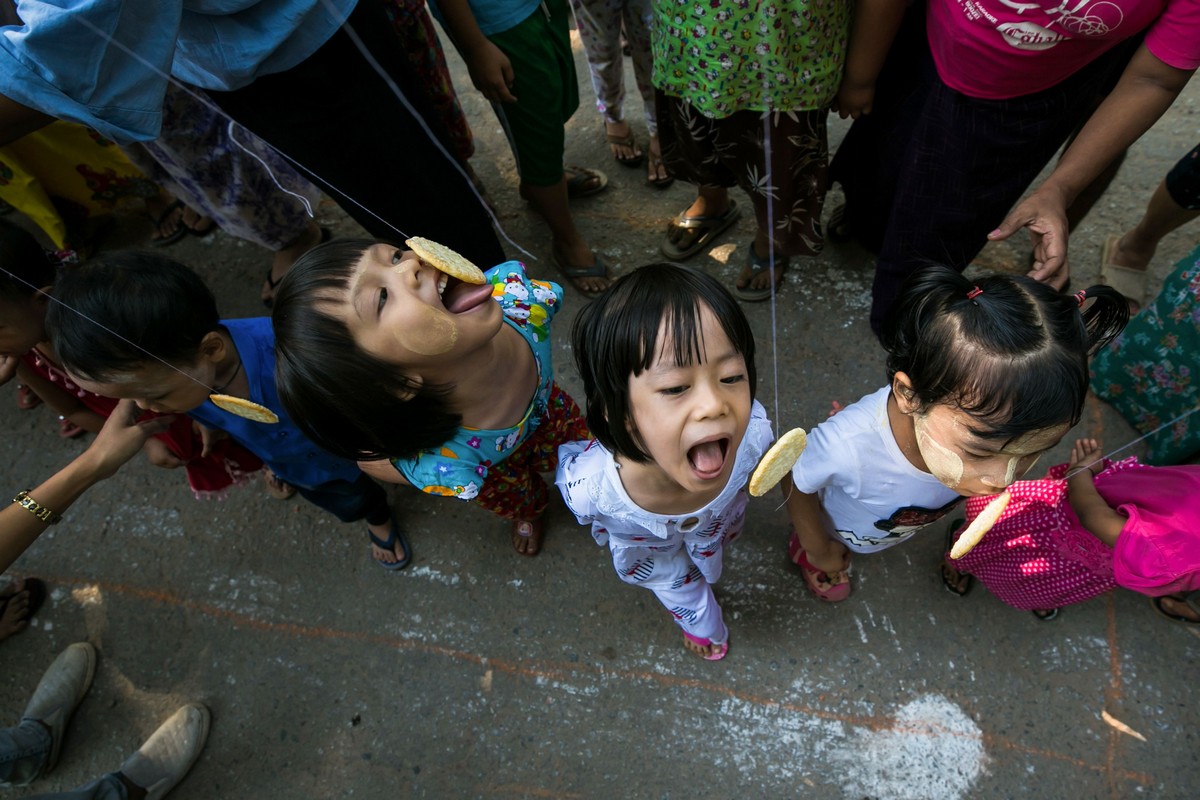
{"x":601,"y":24}
{"x":65,"y":175}
{"x":413,"y":26}
{"x":725,"y":56}
{"x":460,"y":467}
{"x":1149,"y":372}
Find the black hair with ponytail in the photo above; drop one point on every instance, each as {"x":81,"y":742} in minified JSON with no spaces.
{"x":1009,"y":351}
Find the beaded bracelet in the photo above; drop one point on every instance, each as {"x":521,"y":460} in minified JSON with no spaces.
{"x":37,"y":509}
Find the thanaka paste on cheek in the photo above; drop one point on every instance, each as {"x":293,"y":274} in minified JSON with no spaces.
{"x":435,"y":335}
{"x":944,"y":464}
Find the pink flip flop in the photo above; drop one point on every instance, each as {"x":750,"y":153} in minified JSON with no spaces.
{"x":716,"y":655}
{"x":817,"y":581}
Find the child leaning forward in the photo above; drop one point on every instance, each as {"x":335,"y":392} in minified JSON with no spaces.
{"x":428,"y":381}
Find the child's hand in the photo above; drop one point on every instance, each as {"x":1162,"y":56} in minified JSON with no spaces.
{"x":491,"y":72}
{"x":8,"y":368}
{"x":1086,"y":453}
{"x":831,"y":557}
{"x":121,"y":438}
{"x":208,"y":438}
{"x":158,"y":454}
{"x":853,"y":99}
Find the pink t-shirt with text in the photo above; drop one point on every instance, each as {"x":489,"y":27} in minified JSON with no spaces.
{"x":999,"y":49}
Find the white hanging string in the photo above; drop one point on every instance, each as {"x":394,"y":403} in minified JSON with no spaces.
{"x":1128,"y":445}
{"x":770,"y":190}
{"x":232,"y":129}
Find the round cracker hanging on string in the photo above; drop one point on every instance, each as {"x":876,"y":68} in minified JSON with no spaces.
{"x":247,"y":409}
{"x":443,"y":259}
{"x":980,"y":525}
{"x":778,"y":461}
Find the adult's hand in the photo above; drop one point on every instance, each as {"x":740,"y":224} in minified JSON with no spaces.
{"x":1044,"y":214}
{"x":121,"y":438}
{"x":491,"y":72}
{"x":118,"y":441}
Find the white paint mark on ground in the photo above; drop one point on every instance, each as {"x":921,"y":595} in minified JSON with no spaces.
{"x":933,"y":750}
{"x":862,"y":634}
{"x":421,"y":571}
{"x":145,"y":522}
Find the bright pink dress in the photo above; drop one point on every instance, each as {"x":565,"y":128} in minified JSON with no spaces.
{"x":1039,"y":555}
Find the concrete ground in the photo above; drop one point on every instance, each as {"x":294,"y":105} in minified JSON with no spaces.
{"x":479,"y":673}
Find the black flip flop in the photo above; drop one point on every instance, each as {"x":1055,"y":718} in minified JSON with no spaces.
{"x":1157,"y":603}
{"x":326,"y":235}
{"x":389,"y":544}
{"x":175,"y":235}
{"x":956,"y":588}
{"x":584,"y":182}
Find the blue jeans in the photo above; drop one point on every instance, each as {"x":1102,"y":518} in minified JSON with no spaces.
{"x":23,"y":754}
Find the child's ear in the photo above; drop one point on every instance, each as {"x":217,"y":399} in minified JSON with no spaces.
{"x":212,"y":347}
{"x":41,"y":298}
{"x":906,"y":396}
{"x":414,"y":386}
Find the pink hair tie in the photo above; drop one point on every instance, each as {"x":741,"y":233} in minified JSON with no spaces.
{"x":1081,"y":296}
{"x":971,"y":295}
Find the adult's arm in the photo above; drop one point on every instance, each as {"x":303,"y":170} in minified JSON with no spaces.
{"x":383,"y":470}
{"x":871,"y":35}
{"x":1145,"y":91}
{"x":490,"y":69}
{"x":102,"y":63}
{"x":17,"y":120}
{"x":118,"y":441}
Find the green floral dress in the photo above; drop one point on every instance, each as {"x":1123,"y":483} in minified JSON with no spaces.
{"x":1148,"y":371}
{"x":725,"y":56}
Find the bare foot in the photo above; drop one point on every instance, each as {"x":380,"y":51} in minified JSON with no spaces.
{"x":287,"y":255}
{"x":527,"y":536}
{"x":382,"y":532}
{"x":14,"y":619}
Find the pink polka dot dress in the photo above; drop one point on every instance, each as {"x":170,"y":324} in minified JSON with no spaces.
{"x":1039,"y":555}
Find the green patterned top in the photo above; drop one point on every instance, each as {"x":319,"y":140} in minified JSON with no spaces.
{"x":725,"y":56}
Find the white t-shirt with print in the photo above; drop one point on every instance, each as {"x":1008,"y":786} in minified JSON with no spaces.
{"x":872,"y":494}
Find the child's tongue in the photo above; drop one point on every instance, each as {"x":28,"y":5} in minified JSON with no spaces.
{"x":707,"y":458}
{"x":460,"y":296}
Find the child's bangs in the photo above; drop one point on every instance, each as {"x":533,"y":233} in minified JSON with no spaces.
{"x":679,"y":322}
{"x":1011,"y":397}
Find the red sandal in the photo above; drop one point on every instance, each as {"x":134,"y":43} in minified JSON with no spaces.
{"x":68,"y":429}
{"x":27,"y":398}
{"x":817,"y":581}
